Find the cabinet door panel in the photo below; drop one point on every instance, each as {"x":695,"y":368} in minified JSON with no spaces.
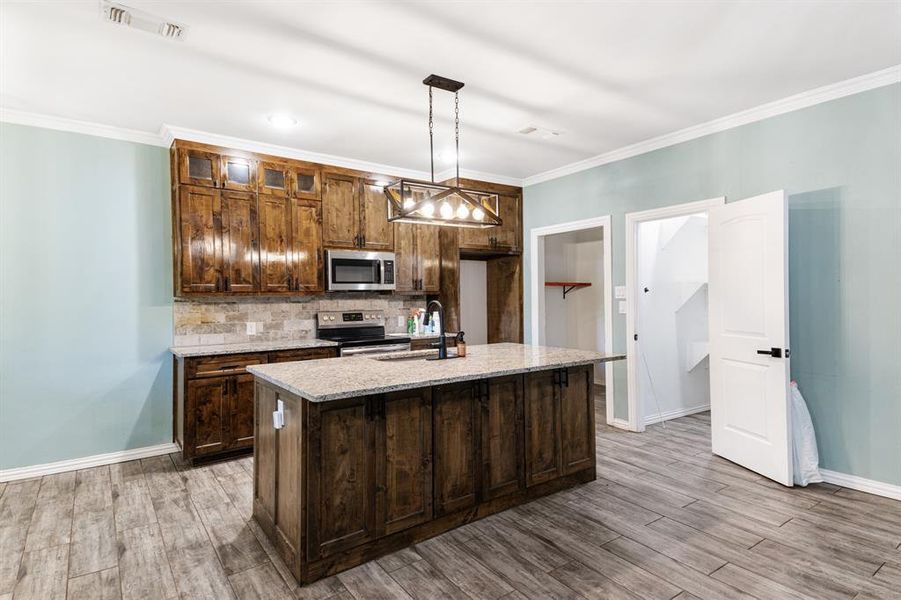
{"x":198,"y":221}
{"x":274,"y":178}
{"x":502,"y":437}
{"x":275,"y":253}
{"x":428,"y":251}
{"x":240,"y":414}
{"x":207,"y":410}
{"x":239,"y":242}
{"x":406,"y":466}
{"x":542,"y":417}
{"x":305,"y":182}
{"x":476,"y":239}
{"x":507,"y":236}
{"x":306,"y":245}
{"x":196,"y":167}
{"x":405,"y":271}
{"x":239,"y":174}
{"x":456,"y":447}
{"x":377,"y":233}
{"x":264,"y":451}
{"x":340,"y":211}
{"x":577,"y":420}
{"x":342,"y":477}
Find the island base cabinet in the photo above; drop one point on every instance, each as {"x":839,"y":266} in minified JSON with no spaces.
{"x":347,"y":481}
{"x":559,"y":416}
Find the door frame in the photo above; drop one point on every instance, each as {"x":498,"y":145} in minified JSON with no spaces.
{"x":633,"y":220}
{"x":536,"y":270}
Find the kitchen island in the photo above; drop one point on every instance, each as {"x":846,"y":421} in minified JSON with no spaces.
{"x":361,"y":456}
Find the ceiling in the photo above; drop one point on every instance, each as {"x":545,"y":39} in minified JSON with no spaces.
{"x":606,"y":74}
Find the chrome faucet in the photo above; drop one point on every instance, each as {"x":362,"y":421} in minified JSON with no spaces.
{"x":442,"y":338}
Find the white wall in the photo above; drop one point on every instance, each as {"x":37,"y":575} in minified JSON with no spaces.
{"x":672,"y":319}
{"x":474,"y":301}
{"x":578,"y":321}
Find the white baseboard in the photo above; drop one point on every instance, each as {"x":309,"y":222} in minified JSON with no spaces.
{"x":861,"y":484}
{"x":620,"y":423}
{"x":675,"y":414}
{"x":86,"y":462}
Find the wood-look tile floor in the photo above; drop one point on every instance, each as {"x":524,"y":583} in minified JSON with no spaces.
{"x":665,"y":519}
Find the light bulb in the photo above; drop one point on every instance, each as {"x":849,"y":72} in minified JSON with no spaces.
{"x":478,"y":214}
{"x":447,"y":211}
{"x":462,"y":211}
{"x":409,"y":203}
{"x":428,"y":209}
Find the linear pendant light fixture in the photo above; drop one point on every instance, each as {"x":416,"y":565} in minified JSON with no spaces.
{"x":414,"y":201}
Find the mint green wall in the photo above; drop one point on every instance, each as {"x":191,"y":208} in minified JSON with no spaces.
{"x":840,"y":163}
{"x":85,"y":296}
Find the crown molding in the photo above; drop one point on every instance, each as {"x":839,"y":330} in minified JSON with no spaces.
{"x":173,"y":132}
{"x":21,"y":117}
{"x":764,"y":111}
{"x":168,"y":133}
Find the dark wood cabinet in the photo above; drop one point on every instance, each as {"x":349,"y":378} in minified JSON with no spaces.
{"x":355,"y":214}
{"x":404,"y":460}
{"x":456,"y":410}
{"x":417,"y":253}
{"x":198,"y":167}
{"x":506,"y":237}
{"x":238,"y":173}
{"x":207,"y":405}
{"x":200,"y":252}
{"x":273,"y":178}
{"x":306,"y":246}
{"x":341,"y":489}
{"x":376,"y":233}
{"x":559,"y":420}
{"x":346,"y":481}
{"x":305,"y":182}
{"x":213,"y":400}
{"x":577,"y":440}
{"x":238,"y":235}
{"x":275,"y":243}
{"x":503,"y":468}
{"x":291,"y":244}
{"x":340,"y":211}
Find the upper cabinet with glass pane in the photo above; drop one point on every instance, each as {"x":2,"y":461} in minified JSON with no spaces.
{"x":305,"y":182}
{"x":239,"y":174}
{"x":197,"y":167}
{"x":274,"y":178}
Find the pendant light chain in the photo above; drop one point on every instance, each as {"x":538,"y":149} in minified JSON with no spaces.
{"x":457,"y":131}
{"x":431,"y":137}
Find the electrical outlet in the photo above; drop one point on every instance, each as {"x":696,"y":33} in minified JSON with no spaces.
{"x":400,"y":321}
{"x":251,"y":328}
{"x":622,"y":307}
{"x":619,"y":292}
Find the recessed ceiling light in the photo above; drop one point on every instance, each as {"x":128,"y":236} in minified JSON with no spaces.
{"x":282,"y":121}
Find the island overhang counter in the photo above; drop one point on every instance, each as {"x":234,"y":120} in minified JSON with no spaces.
{"x":357,"y":457}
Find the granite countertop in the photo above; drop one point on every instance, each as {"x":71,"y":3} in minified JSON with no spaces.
{"x":216,"y":349}
{"x":348,"y":377}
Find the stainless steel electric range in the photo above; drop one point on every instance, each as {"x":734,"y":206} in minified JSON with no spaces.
{"x":358,"y":332}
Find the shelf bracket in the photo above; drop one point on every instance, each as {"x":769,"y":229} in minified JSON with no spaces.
{"x":567,"y":290}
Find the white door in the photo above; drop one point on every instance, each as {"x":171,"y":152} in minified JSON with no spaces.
{"x":748,"y":303}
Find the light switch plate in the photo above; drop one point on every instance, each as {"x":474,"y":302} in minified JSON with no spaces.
{"x":622,"y":307}
{"x":251,"y":328}
{"x":619,"y":292}
{"x":400,"y":321}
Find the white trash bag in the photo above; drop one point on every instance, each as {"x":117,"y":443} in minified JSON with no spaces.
{"x":805,"y":458}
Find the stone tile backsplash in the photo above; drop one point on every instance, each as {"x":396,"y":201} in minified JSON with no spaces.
{"x":200,"y":323}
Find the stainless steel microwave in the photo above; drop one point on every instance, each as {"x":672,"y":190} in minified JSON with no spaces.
{"x":355,"y":270}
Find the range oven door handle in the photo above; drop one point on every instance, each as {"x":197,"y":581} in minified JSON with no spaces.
{"x":375,"y":349}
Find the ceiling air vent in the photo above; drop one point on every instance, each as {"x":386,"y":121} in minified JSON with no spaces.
{"x":542,"y":132}
{"x":120,"y":14}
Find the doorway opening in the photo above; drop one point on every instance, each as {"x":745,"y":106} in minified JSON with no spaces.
{"x":571,"y":292}
{"x":667,"y":313}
